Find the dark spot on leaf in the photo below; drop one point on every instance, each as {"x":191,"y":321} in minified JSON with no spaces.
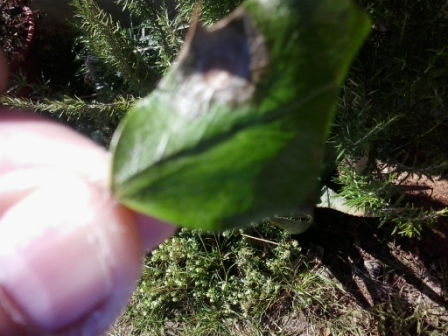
{"x":221,"y":64}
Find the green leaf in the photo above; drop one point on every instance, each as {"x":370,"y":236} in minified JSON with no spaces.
{"x":296,"y":225}
{"x":235,"y":132}
{"x":332,"y":200}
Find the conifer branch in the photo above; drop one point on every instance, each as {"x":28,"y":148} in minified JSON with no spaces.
{"x":73,"y":107}
{"x":109,"y":43}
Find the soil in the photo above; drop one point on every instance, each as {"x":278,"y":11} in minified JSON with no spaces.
{"x":375,"y":268}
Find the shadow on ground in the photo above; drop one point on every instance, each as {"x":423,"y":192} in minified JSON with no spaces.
{"x":378,"y":270}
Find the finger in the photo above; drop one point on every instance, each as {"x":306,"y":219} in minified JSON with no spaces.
{"x":17,"y":184}
{"x":69,"y":259}
{"x":69,"y":255}
{"x":34,"y":152}
{"x":29,"y":141}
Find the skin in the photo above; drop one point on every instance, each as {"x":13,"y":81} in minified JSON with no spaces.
{"x":70,"y":255}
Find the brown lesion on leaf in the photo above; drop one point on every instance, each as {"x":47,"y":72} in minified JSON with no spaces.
{"x":223,"y":63}
{"x":233,"y":45}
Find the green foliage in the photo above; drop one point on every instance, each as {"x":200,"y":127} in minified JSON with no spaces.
{"x":364,"y":192}
{"x":212,"y":10}
{"x":206,"y":269}
{"x":161,"y":26}
{"x":397,"y":86}
{"x":409,"y":221}
{"x":236,"y":282}
{"x":392,"y":110}
{"x":109,"y":42}
{"x":380,"y":195}
{"x":159,"y":30}
{"x":260,"y":281}
{"x":100,"y":114}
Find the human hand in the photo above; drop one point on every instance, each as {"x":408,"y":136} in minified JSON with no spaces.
{"x":70,"y":255}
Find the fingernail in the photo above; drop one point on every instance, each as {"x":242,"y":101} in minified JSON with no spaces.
{"x":52,"y":268}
